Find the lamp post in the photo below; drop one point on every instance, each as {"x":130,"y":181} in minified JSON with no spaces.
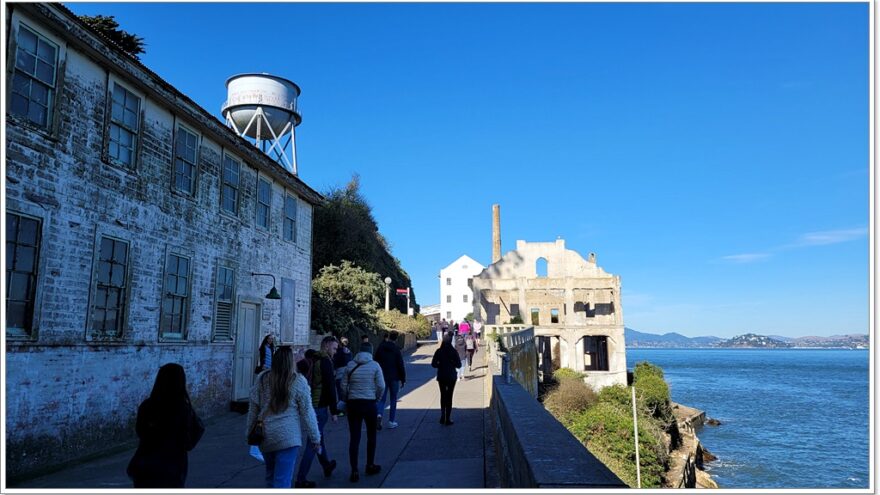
{"x":387,"y":291}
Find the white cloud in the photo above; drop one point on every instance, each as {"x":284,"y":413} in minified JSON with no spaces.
{"x":831,"y":237}
{"x":746,"y":257}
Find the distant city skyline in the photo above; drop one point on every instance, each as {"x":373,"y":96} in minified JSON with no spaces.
{"x":715,"y":156}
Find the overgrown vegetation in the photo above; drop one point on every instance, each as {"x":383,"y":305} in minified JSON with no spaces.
{"x":345,"y":298}
{"x":395,"y":320}
{"x":132,"y":44}
{"x":603,"y":422}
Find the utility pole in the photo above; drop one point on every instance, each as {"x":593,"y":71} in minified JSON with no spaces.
{"x":636,"y":436}
{"x":387,"y":292}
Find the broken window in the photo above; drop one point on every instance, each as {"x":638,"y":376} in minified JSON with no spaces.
{"x":554,"y":315}
{"x":231,"y":183}
{"x":175,"y":299}
{"x":22,"y":254}
{"x":596,"y":353}
{"x":264,"y":202}
{"x":541,"y":267}
{"x":185,"y":155}
{"x":289,"y":217}
{"x":33,"y":82}
{"x":111,"y":289}
{"x":535,"y":316}
{"x":125,"y":109}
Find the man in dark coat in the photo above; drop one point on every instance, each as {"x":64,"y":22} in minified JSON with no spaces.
{"x":390,"y":359}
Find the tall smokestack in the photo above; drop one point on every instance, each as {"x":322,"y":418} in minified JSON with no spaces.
{"x":496,"y":233}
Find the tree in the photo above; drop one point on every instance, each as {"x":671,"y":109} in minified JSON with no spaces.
{"x":107,"y":26}
{"x":344,"y":229}
{"x":345,"y":299}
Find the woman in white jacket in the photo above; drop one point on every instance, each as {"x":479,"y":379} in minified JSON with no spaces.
{"x":280,"y":398}
{"x":362,"y":385}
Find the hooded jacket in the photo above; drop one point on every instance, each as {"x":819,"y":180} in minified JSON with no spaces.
{"x":390,"y":359}
{"x":362,"y":378}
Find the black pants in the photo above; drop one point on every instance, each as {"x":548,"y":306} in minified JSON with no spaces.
{"x":447,"y":387}
{"x":357,"y":411}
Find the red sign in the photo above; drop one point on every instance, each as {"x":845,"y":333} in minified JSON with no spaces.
{"x":402,"y":292}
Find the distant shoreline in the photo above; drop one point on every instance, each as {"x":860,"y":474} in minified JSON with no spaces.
{"x":751,"y":348}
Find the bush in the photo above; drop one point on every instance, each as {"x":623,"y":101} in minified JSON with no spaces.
{"x":567,"y":373}
{"x":606,"y":429}
{"x":568,"y":399}
{"x":645,"y":368}
{"x":516,"y":320}
{"x":617,"y":395}
{"x":344,"y":299}
{"x":395,"y":320}
{"x":653,"y":394}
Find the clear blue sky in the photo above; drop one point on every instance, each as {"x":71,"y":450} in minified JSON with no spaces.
{"x":715,"y":156}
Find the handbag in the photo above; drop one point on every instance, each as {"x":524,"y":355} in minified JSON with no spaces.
{"x":341,"y":404}
{"x":257,"y":433}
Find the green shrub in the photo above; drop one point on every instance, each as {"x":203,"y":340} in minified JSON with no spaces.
{"x":645,"y":368}
{"x":616,"y":394}
{"x":606,"y":429}
{"x":395,"y":320}
{"x":567,"y":373}
{"x":653,"y":394}
{"x":568,"y":399}
{"x":516,"y":320}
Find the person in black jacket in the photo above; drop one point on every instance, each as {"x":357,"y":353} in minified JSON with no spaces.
{"x":446,"y":361}
{"x":317,"y":367}
{"x":168,"y":428}
{"x":390,"y":359}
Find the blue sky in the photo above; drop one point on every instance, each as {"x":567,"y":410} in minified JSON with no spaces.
{"x":715,"y":156}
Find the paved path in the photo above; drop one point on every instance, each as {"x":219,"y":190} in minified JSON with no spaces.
{"x":421,"y":453}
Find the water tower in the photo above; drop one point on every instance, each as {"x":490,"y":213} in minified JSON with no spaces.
{"x":262,"y":107}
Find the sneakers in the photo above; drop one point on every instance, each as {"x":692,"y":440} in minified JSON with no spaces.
{"x":449,"y":422}
{"x":393,"y":424}
{"x":379,"y":422}
{"x":372,"y":469}
{"x":355,"y":476}
{"x":328,"y":471}
{"x":304,"y":484}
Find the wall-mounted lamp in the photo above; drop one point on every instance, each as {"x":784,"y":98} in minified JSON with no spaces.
{"x":273,"y":294}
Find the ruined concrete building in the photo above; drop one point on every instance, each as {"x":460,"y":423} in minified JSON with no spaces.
{"x":134,"y":222}
{"x":573,"y":304}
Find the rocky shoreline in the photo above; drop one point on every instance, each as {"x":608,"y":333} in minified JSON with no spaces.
{"x":687,"y":459}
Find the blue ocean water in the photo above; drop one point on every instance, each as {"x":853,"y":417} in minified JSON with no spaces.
{"x":791,"y":418}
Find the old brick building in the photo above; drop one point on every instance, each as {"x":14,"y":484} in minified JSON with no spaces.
{"x":134,"y":220}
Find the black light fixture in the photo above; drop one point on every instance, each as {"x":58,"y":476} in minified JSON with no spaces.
{"x":273,"y":294}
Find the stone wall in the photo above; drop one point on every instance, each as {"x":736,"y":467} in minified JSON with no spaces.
{"x":69,"y":393}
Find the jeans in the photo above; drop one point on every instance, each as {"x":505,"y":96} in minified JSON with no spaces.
{"x":358,"y":411}
{"x":447,"y":387}
{"x":470,"y":358}
{"x":279,"y":467}
{"x":323,"y":415}
{"x":461,"y":370}
{"x":394,"y":387}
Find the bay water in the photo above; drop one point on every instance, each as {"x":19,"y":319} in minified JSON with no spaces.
{"x":790,"y":418}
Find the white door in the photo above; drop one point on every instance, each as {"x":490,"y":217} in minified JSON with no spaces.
{"x":246,"y":344}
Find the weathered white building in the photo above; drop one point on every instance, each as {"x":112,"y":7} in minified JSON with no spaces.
{"x":455,"y":292}
{"x":134,"y":220}
{"x":573,"y":304}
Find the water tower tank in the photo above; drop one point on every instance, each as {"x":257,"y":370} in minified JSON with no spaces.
{"x":274,"y":96}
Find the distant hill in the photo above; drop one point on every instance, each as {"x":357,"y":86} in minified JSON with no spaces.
{"x":636,"y":339}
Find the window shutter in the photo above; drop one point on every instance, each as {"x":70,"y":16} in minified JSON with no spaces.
{"x":223,"y":321}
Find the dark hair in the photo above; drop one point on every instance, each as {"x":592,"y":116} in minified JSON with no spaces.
{"x":365,"y":336}
{"x":393,"y":335}
{"x":265,"y":342}
{"x":447,"y":340}
{"x":280,"y":379}
{"x":170,"y":385}
{"x":327,"y":340}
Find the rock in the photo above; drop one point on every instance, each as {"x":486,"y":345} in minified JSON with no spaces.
{"x":708,"y":456}
{"x":713,"y":422}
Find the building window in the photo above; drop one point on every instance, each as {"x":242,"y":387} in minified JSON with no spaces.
{"x":175,"y":298}
{"x":224,"y":305}
{"x":33,"y":83}
{"x":596,"y":353}
{"x":124,"y":123}
{"x":22,"y":254}
{"x":464,"y":298}
{"x":449,"y":299}
{"x":108,"y":310}
{"x":289,"y":218}
{"x":448,"y":281}
{"x":449,"y":315}
{"x":264,"y":200}
{"x":554,"y":315}
{"x":230,"y":184}
{"x":535,"y":314}
{"x":185,"y":156}
{"x":541,"y":267}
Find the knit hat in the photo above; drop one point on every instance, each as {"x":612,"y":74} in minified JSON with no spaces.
{"x":366,"y":347}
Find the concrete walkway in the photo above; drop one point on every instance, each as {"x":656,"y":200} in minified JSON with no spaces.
{"x":421,"y":453}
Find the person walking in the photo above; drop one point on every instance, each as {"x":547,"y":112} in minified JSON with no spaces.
{"x":464,"y":328}
{"x":390,"y":359}
{"x":340,"y":361}
{"x":267,"y":349}
{"x":362,"y":385}
{"x":446,"y":360}
{"x":478,"y":329}
{"x":444,"y":326}
{"x":168,"y":428}
{"x":281,"y":399}
{"x":471,"y":345}
{"x":321,"y":377}
{"x":461,"y":349}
